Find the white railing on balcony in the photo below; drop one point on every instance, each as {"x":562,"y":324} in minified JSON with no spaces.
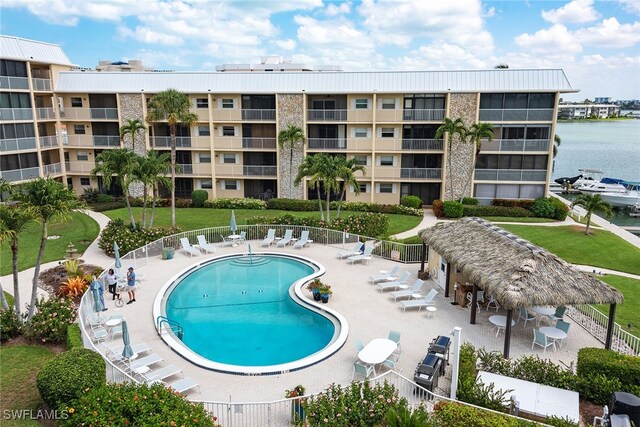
{"x":41,"y":85}
{"x":52,"y":169}
{"x":516,"y":115}
{"x":421,"y":173}
{"x":327,"y":115}
{"x":184,"y":168}
{"x":16,"y":114}
{"x":596,"y":323}
{"x":510,"y":175}
{"x":48,"y":141}
{"x":252,"y":170}
{"x":104,"y":113}
{"x":327,"y":143}
{"x":258,"y":114}
{"x":79,"y":167}
{"x":15,"y":144}
{"x":14,"y":83}
{"x":20,"y":174}
{"x":516,"y":145}
{"x":262,"y":143}
{"x":106,"y":141}
{"x":423,"y":115}
{"x":422,"y":144}
{"x":165,"y":141}
{"x":47,"y":113}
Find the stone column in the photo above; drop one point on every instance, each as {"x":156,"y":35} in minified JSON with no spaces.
{"x":290,"y":108}
{"x":131,"y":109}
{"x":464,"y":106}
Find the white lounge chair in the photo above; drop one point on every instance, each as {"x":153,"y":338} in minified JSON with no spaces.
{"x":115,"y":353}
{"x":385,"y":286}
{"x":99,"y":333}
{"x":390,"y":275}
{"x":204,"y":245}
{"x":184,"y":242}
{"x":355,"y":251}
{"x":422,"y":302}
{"x":145,"y":361}
{"x":161,"y":373}
{"x":364,"y":257}
{"x":269,"y":238}
{"x":415,"y":289}
{"x":303,"y":240}
{"x":288,"y":234}
{"x":183,"y":385}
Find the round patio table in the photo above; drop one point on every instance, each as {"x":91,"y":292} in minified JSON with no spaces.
{"x":377,"y":351}
{"x":543,"y":311}
{"x":500,"y":322}
{"x":554,"y":333}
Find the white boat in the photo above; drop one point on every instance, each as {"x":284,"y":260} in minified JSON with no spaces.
{"x":588,"y":176}
{"x":606,"y":185}
{"x":622,"y":200}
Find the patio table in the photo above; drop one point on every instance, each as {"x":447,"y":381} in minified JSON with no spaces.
{"x":377,"y":351}
{"x":543,"y":311}
{"x":500,"y":322}
{"x":234,"y":239}
{"x":554,"y":333}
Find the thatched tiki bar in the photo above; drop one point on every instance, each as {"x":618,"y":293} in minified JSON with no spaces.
{"x":514,"y":271}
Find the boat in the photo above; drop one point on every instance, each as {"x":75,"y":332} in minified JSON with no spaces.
{"x":605,"y":185}
{"x":622,"y":200}
{"x":635,"y":210}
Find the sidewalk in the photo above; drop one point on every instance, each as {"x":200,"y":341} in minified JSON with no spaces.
{"x":428,"y":220}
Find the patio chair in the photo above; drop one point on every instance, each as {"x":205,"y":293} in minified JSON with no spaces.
{"x":226,"y":242}
{"x":184,"y":242}
{"x":423,"y":302}
{"x":359,"y":345}
{"x":94,"y":319}
{"x":391,"y":275}
{"x":390,"y":363}
{"x":361,"y":369}
{"x":115,"y":353}
{"x":415,"y":289}
{"x":524,"y":314}
{"x":204,"y":245}
{"x":115,"y":330}
{"x":364,"y":257}
{"x":542,"y":340}
{"x":286,"y":239}
{"x":161,"y":374}
{"x":269,"y":238}
{"x":303,"y":240}
{"x":183,"y":385}
{"x":385,"y":286}
{"x":99,"y":333}
{"x":563,"y":326}
{"x":559,"y":314}
{"x":492,"y":302}
{"x":479,"y":298}
{"x":395,"y":337}
{"x":243,"y":237}
{"x":355,"y":251}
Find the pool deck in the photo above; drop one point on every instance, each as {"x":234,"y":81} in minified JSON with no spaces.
{"x":370,"y":315}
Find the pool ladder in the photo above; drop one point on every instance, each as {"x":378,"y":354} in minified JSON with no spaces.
{"x":171,"y":325}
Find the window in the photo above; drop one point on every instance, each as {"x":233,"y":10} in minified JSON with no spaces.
{"x":228,"y":131}
{"x":363,"y":187}
{"x":76,"y":102}
{"x":388,"y":103}
{"x":230,"y":185}
{"x":362,"y":103}
{"x":78,"y":129}
{"x":206,"y":183}
{"x":204,"y":157}
{"x":228,"y":158}
{"x":227,"y":103}
{"x":360,"y":132}
{"x":386,"y":187}
{"x":387,"y":132}
{"x":82,"y":155}
{"x":386,"y":160}
{"x":360,"y":160}
{"x":202,"y":103}
{"x":204,"y":130}
{"x":85,"y":181}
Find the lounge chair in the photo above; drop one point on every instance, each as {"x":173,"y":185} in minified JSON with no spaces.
{"x":563,"y":326}
{"x":303,"y":240}
{"x":243,"y":237}
{"x":226,"y":241}
{"x":405,"y":293}
{"x":99,"y":333}
{"x":288,"y":234}
{"x":115,"y":353}
{"x":269,"y":238}
{"x":385,"y":286}
{"x":144,"y":361}
{"x":183,"y":385}
{"x":355,"y":251}
{"x":184,"y":242}
{"x":161,"y":374}
{"x":94,"y":319}
{"x":364,"y":257}
{"x":422,"y":302}
{"x":204,"y":245}
{"x":391,"y":275}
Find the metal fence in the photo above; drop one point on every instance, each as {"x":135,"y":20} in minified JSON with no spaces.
{"x":596,"y":323}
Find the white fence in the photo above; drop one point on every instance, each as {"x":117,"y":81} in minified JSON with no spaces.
{"x":596,"y":323}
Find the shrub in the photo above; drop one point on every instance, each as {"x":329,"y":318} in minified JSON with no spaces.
{"x":411,"y":202}
{"x":74,"y":287}
{"x":50,"y":322}
{"x":255,"y":204}
{"x":511,"y":203}
{"x":365,"y":224}
{"x":10,"y":325}
{"x":377,"y":208}
{"x":297,"y":205}
{"x":542,"y":208}
{"x":560,"y":209}
{"x":74,"y":337}
{"x":70,"y":375}
{"x":453,"y":209}
{"x":453,"y":414}
{"x":135,"y":405}
{"x":128,"y":240}
{"x":594,"y":361}
{"x":598,"y":387}
{"x":470,"y":201}
{"x":104,"y":198}
{"x":183,"y":203}
{"x":90,"y":195}
{"x":109,"y":206}
{"x":438,"y":210}
{"x":484,"y":211}
{"x":198,"y":197}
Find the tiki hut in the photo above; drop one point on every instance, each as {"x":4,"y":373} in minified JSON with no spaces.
{"x":516,"y":272}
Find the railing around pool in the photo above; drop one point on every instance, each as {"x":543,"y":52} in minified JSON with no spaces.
{"x":596,"y":323}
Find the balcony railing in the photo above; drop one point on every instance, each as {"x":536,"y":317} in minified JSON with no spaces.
{"x":104,"y":113}
{"x":327,"y":143}
{"x":510,"y":175}
{"x":423,"y":115}
{"x":516,"y":145}
{"x":48,"y":141}
{"x":47,"y":113}
{"x":20,"y":174}
{"x":422,"y":144}
{"x":14,"y":82}
{"x":41,"y":85}
{"x":263,"y":143}
{"x":16,"y":114}
{"x":52,"y":169}
{"x":106,"y":141}
{"x":184,"y":168}
{"x":327,"y":115}
{"x":258,"y":114}
{"x":251,"y":170}
{"x":517,"y":115}
{"x":15,"y":144}
{"x":165,"y":141}
{"x":420,"y":173}
{"x":79,"y":167}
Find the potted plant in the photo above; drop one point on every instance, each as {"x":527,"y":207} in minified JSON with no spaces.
{"x":297,"y":410}
{"x":314,"y":286}
{"x":168,"y":253}
{"x":325,"y":292}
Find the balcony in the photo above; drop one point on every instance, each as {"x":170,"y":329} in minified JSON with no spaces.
{"x":360,"y":116}
{"x":20,"y":174}
{"x":41,"y":85}
{"x":165,"y":141}
{"x":52,"y":169}
{"x":226,"y":115}
{"x":259,"y":143}
{"x":16,"y":144}
{"x":403,"y":144}
{"x":517,"y":115}
{"x":12,"y":83}
{"x":327,"y":115}
{"x":83,"y":168}
{"x":200,"y":142}
{"x":251,"y":170}
{"x":385,"y":172}
{"x":327,"y":143}
{"x":89,"y":114}
{"x":193,"y":169}
{"x":259,"y":115}
{"x":423,"y":115}
{"x":104,"y":113}
{"x":11,"y":114}
{"x":47,"y":113}
{"x":50,"y":141}
{"x":106,"y":141}
{"x":520,"y":145}
{"x":510,"y":175}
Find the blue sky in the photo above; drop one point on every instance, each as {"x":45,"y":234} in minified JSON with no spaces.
{"x":597,"y":43}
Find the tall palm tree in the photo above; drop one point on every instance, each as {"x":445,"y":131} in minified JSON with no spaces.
{"x":592,"y":202}
{"x":121,"y":164}
{"x":346,"y":172}
{"x":476,"y":133}
{"x":150,"y":172}
{"x":291,"y":137}
{"x":173,"y":106}
{"x":329,"y":174}
{"x":132,"y":127}
{"x":451,"y":128}
{"x":49,"y":199}
{"x":309,"y":169}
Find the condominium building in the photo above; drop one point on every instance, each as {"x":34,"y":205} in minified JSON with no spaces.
{"x":585,"y":111}
{"x":386,"y":121}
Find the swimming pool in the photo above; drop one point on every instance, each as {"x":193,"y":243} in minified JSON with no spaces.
{"x":242,"y":315}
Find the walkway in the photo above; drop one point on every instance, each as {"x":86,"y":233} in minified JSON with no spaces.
{"x":428,"y":221}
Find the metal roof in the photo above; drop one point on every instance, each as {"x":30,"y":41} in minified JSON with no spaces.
{"x":510,"y":80}
{"x":20,"y":49}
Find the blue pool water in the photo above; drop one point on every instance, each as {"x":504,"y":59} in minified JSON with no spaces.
{"x":238,"y":313}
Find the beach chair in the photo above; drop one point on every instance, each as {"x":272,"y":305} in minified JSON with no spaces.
{"x":288,"y":234}
{"x":145,"y":361}
{"x":355,"y":251}
{"x":115,"y":353}
{"x":303,"y":240}
{"x":183,"y":385}
{"x":99,"y":333}
{"x":225,"y":241}
{"x":493,"y":303}
{"x":391,"y":275}
{"x":479,"y":298}
{"x":269,"y":238}
{"x":364,"y":257}
{"x":385,"y":286}
{"x":205,"y":246}
{"x":184,"y":242}
{"x":405,"y":293}
{"x":161,"y":374}
{"x":422,"y":302}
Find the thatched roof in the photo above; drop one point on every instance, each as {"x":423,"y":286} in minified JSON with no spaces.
{"x":516,"y":272}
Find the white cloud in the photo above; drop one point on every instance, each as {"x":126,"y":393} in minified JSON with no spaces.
{"x":554,"y":40}
{"x":287,"y":44}
{"x":632,"y":6}
{"x":337,"y":34}
{"x":147,"y":35}
{"x":333,"y":10}
{"x":610,"y":33}
{"x":574,"y":12}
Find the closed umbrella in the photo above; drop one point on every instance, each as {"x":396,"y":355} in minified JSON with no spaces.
{"x":116,"y":254}
{"x":233,"y":226}
{"x":96,"y":293}
{"x":127,"y":351}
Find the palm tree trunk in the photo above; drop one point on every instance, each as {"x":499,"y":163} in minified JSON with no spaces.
{"x":328,"y":207}
{"x":588,"y":223}
{"x":131,"y":218}
{"x":450,"y":166}
{"x":172,"y":132}
{"x":291,"y":170}
{"x":36,"y":272}
{"x":320,"y":202}
{"x":144,"y":206}
{"x":344,"y":191}
{"x":16,"y":287}
{"x":153,"y":204}
{"x":3,"y":300}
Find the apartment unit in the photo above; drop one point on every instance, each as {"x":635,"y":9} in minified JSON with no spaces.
{"x":386,"y":121}
{"x":585,"y":111}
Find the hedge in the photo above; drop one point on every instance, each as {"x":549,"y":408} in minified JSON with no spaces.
{"x":198,"y":197}
{"x":484,"y":211}
{"x":297,"y":205}
{"x":235,"y":203}
{"x":365,"y":224}
{"x":542,"y":208}
{"x":510,"y":203}
{"x":453,"y":209}
{"x":128,"y":239}
{"x":411,"y":202}
{"x":453,"y":414}
{"x":101,"y":207}
{"x":74,"y":337}
{"x":470,"y":201}
{"x":51,"y":320}
{"x":595,"y":361}
{"x":377,"y":208}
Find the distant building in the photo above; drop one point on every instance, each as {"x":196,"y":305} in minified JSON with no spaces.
{"x":585,"y":111}
{"x":603,"y":100}
{"x":132,"y":65}
{"x":275,"y":63}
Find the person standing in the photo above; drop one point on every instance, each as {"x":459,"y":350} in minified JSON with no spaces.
{"x":131,"y":285}
{"x":112,"y":282}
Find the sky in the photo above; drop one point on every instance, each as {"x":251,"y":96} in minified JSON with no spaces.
{"x":597,"y":43}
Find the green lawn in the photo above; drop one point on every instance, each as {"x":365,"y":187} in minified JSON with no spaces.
{"x":20,"y":366}
{"x":516,"y":219}
{"x":80,"y":230}
{"x":195,"y":218}
{"x":600,"y":249}
{"x":627,"y":313}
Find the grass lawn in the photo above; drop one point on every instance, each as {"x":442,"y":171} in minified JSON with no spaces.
{"x":512,"y":219}
{"x":80,"y":230}
{"x":627,"y":313}
{"x":195,"y":218}
{"x":600,"y":249}
{"x":20,"y":366}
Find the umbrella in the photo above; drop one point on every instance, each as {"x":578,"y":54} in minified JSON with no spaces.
{"x":96,"y":293}
{"x":116,"y":254}
{"x":127,"y":351}
{"x":233,"y":226}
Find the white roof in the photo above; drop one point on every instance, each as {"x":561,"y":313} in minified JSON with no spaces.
{"x":16,"y":48}
{"x":511,"y":80}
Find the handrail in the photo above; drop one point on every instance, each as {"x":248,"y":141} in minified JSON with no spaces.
{"x":174,"y":326}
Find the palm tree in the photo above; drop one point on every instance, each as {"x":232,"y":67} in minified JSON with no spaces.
{"x":49,"y":199}
{"x":476,"y":133}
{"x":556,"y":144}
{"x":592,"y":202}
{"x":346,"y":172}
{"x":150,"y":172}
{"x":405,"y":418}
{"x":451,"y":128}
{"x":173,"y":106}
{"x":291,"y":137}
{"x":132,"y":127}
{"x":121,"y":164}
{"x":328,"y":173}
{"x":309,"y":169}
